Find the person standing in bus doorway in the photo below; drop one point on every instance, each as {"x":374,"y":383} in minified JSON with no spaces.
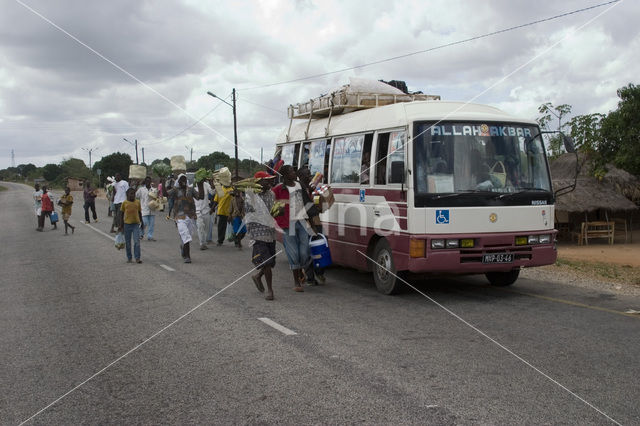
{"x":314,"y":275}
{"x":293,"y":221}
{"x":37,"y":204}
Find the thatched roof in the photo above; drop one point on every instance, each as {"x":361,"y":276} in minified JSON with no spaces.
{"x":591,"y":194}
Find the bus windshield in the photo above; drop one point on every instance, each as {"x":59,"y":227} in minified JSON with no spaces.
{"x":455,"y":157}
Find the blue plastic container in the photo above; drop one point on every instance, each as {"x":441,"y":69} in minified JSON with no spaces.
{"x":320,"y":254}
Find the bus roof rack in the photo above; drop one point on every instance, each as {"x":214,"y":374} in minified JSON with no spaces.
{"x":344,"y":100}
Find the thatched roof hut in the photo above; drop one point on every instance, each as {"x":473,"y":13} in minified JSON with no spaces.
{"x":617,"y":191}
{"x":593,"y":199}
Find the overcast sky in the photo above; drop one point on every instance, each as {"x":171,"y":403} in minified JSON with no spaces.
{"x":141,"y":69}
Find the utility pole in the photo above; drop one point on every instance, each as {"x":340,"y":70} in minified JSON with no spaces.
{"x":134,"y":144}
{"x":89,"y":151}
{"x":261,"y":155}
{"x":235,"y":129}
{"x":190,"y":148}
{"x":143,"y":155}
{"x":235,"y":126}
{"x":13,"y":159}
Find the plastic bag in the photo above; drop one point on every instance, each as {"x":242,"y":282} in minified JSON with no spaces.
{"x":119,"y":244}
{"x":54,"y":217}
{"x":230,"y":235}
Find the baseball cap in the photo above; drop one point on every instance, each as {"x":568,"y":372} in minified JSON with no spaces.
{"x":263,"y":175}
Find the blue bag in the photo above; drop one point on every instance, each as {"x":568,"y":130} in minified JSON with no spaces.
{"x":54,"y":217}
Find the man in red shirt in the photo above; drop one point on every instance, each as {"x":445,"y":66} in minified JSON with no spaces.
{"x":294,"y":224}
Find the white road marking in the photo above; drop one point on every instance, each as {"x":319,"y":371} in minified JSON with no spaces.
{"x":277,"y":326}
{"x":100,"y":232}
{"x":168,"y":268}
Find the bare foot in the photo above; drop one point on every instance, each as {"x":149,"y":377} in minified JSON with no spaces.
{"x":258,"y":282}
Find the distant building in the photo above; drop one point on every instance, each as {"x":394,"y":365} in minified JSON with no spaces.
{"x":75,"y":184}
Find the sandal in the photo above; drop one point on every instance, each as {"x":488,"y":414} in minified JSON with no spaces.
{"x":258,"y":283}
{"x":299,"y":289}
{"x":269,"y":296}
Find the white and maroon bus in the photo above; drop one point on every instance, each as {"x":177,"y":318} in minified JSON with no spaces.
{"x":430,"y":187}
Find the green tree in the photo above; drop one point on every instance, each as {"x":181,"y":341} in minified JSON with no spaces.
{"x":51,"y":172}
{"x":74,"y":167}
{"x":620,"y":131}
{"x":215,"y":160}
{"x":549,"y":113}
{"x":111,"y":164}
{"x":25,"y":169}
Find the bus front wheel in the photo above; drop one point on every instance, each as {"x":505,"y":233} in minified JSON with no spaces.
{"x":384,"y":270}
{"x":503,"y":279}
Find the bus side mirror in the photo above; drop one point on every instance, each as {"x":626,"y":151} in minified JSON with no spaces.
{"x":397,"y":172}
{"x":568,"y":143}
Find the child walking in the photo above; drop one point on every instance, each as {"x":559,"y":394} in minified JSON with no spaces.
{"x":130,"y":220}
{"x":237,"y":221}
{"x":66,"y":201}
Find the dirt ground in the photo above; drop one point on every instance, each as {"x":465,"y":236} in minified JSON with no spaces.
{"x":620,"y":253}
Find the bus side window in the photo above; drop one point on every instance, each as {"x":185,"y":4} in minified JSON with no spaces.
{"x":296,"y":155}
{"x":305,"y":154}
{"x":327,"y":155}
{"x":365,"y":173}
{"x":380,"y":166}
{"x":397,"y":142}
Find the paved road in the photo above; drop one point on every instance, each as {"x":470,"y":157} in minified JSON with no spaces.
{"x":87,"y":339}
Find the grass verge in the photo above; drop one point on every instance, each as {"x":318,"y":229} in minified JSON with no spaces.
{"x":623,"y":274}
{"x":3,"y":188}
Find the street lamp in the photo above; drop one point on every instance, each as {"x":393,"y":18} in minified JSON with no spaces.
{"x":235,"y":128}
{"x":134,"y":144}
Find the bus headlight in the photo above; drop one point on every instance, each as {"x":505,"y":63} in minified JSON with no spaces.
{"x":544,"y":239}
{"x":521,"y":241}
{"x":437,"y":244}
{"x":467,"y":243}
{"x":532,"y":239}
{"x":453,"y":244}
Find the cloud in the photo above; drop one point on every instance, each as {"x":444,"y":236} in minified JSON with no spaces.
{"x":57,"y":97}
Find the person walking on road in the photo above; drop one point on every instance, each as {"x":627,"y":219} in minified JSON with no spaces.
{"x":47,"y":208}
{"x":130,"y":219}
{"x":120,"y":187}
{"x":89,"y":202}
{"x":261,"y":229}
{"x":148,"y":214}
{"x":37,"y":204}
{"x":237,"y":218}
{"x":184,"y":212}
{"x":224,"y":196}
{"x":293,"y":221}
{"x":203,"y":213}
{"x":66,"y":201}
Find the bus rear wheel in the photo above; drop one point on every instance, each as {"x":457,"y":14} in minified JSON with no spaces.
{"x":384,"y":270}
{"x":503,"y":279}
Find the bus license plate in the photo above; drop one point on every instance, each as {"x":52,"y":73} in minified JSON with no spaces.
{"x":497,"y":258}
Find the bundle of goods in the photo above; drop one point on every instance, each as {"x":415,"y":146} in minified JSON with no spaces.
{"x":201,"y":175}
{"x":359,"y":94}
{"x":161,"y":170}
{"x":323,"y":197}
{"x":156,"y":202}
{"x":178,"y":164}
{"x":137,"y":172}
{"x":248,"y":183}
{"x":223,"y":176}
{"x":277,"y":208}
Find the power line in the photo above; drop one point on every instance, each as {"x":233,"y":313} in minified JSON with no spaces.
{"x":442,"y":46}
{"x":188,"y":127}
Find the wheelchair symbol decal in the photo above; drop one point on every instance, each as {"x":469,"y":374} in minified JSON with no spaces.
{"x":442,"y":217}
